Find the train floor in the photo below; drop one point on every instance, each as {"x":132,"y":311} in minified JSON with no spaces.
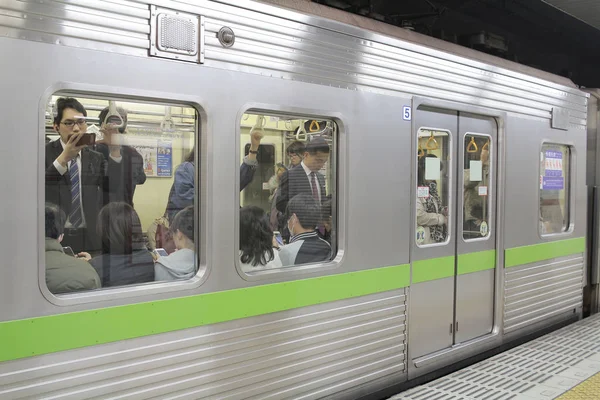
{"x":564,"y":364}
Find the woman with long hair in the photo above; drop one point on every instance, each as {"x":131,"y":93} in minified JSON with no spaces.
{"x":256,"y":241}
{"x":125,"y":260}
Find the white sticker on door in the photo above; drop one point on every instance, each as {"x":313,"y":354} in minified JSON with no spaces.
{"x":475,"y":171}
{"x":482,"y":190}
{"x":423,"y":192}
{"x":432,"y":168}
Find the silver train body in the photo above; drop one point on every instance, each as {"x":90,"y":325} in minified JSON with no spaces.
{"x":287,"y":61}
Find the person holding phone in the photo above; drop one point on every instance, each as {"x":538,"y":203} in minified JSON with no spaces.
{"x":64,"y":273}
{"x":75,"y":175}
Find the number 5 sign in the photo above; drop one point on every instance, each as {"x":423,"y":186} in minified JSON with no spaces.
{"x":406,"y":113}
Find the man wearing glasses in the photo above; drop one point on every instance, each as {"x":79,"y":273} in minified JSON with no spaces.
{"x":75,"y":176}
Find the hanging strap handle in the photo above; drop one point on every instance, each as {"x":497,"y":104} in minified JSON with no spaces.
{"x":472,"y":146}
{"x":431,"y":144}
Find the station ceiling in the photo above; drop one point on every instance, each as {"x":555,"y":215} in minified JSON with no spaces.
{"x":558,"y":36}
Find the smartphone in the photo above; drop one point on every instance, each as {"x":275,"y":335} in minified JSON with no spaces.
{"x":69,"y":251}
{"x":160,"y":252}
{"x":278,"y":237}
{"x":87,"y":139}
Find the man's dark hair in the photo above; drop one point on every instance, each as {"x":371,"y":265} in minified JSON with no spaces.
{"x":55,"y":219}
{"x":67,"y":102}
{"x":256,"y":237}
{"x":122,"y":113}
{"x":318,"y":144}
{"x":184,"y":222}
{"x":296,"y":147}
{"x":306,"y":208}
{"x":120,"y":229}
{"x":191,"y":157}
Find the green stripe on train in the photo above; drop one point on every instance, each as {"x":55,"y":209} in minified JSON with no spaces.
{"x":443,"y":267}
{"x":49,"y":334}
{"x":432,"y":269}
{"x":544,"y":251}
{"x":475,"y":262}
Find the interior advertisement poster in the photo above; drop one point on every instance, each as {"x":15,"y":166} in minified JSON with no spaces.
{"x":164,"y":159}
{"x":157,"y":156}
{"x":553,"y":171}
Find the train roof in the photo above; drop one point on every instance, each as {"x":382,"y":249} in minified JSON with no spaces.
{"x":314,"y":9}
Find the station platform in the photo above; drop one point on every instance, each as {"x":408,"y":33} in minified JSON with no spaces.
{"x":564,"y":364}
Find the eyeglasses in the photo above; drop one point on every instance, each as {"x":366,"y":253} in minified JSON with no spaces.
{"x":70,"y":123}
{"x":290,"y":155}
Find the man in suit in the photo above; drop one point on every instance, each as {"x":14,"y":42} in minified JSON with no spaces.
{"x":125,"y":164}
{"x":306,"y":178}
{"x":75,"y":176}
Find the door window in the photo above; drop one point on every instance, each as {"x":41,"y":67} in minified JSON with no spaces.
{"x":432,"y":186}
{"x":477,"y":186}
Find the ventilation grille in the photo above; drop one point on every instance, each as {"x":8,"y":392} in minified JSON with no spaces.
{"x":176,"y":35}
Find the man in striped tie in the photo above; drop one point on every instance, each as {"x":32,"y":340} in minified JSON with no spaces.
{"x":75,"y":176}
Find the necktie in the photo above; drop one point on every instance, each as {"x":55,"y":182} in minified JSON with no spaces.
{"x":313,"y":183}
{"x":75,"y":216}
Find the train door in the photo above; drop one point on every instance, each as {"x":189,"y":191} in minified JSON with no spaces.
{"x":454,"y":249}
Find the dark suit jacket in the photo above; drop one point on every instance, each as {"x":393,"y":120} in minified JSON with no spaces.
{"x":293,"y":182}
{"x":124,"y":176}
{"x":93,"y":183}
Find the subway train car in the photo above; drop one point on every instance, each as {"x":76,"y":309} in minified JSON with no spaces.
{"x":450,"y":189}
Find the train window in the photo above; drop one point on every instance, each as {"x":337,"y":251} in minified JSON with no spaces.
{"x":120,"y":193}
{"x":477,"y":186}
{"x":432,"y":186}
{"x":555,"y":164}
{"x":287,"y":191}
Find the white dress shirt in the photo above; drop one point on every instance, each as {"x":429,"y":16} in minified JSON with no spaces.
{"x":308,"y":172}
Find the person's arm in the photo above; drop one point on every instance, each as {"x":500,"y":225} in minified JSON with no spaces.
{"x":246,"y":173}
{"x":428,"y":219}
{"x":284,"y":195}
{"x":137,"y":167}
{"x":184,"y":182}
{"x":248,"y":167}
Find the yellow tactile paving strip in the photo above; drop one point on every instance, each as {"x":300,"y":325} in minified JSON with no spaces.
{"x":586,"y":390}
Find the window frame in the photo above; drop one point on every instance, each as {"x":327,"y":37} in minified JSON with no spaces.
{"x":129,"y":292}
{"x":451,"y":218}
{"x":297,"y":271}
{"x":569,"y":190}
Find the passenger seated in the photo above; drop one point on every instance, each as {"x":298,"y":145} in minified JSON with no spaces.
{"x":431,"y":216}
{"x":180,"y":264}
{"x":125,"y":259}
{"x":64,"y":273}
{"x":256,"y":241}
{"x":305,"y":245}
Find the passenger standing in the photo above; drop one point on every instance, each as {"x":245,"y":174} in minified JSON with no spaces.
{"x":126,"y":170}
{"x":304,"y":213}
{"x":256,"y":241}
{"x":431,"y":216}
{"x":64,"y":273}
{"x":180,"y":264}
{"x":75,"y":176}
{"x":295,"y":152}
{"x":182,"y":190}
{"x":306,"y":179}
{"x":125,"y":259}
